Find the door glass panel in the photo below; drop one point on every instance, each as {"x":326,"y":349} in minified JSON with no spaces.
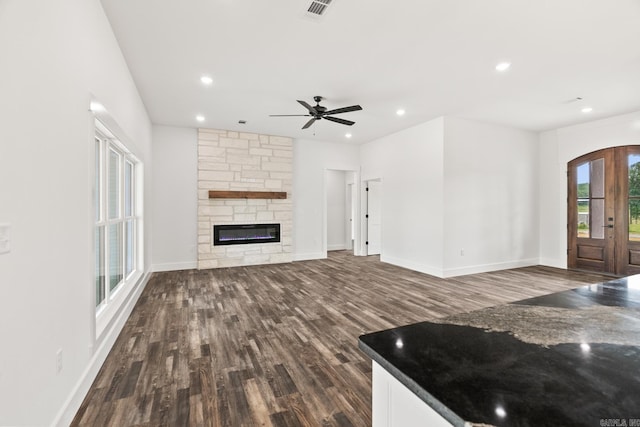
{"x":583,"y":199}
{"x":583,"y":181}
{"x":634,"y":197}
{"x":634,"y":175}
{"x":583,"y":218}
{"x":634,"y":220}
{"x":597,"y":178}
{"x":597,"y":218}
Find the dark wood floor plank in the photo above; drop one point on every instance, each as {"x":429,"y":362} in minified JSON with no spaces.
{"x":276,"y":345}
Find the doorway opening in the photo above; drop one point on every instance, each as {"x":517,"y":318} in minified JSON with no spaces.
{"x":604,"y":211}
{"x":341,"y":201}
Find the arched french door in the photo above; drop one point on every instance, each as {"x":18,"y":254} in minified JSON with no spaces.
{"x":604,"y":211}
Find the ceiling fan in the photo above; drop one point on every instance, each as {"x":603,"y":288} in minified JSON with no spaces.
{"x":319,"y":112}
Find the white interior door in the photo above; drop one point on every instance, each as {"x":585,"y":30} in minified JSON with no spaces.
{"x":374,"y":222}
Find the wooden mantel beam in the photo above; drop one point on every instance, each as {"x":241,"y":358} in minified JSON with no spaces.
{"x":215,"y":194}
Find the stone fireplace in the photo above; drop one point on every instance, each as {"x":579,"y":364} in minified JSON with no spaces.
{"x":243,"y":162}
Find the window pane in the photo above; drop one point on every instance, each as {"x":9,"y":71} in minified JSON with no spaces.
{"x":129,"y":247}
{"x":583,"y":217}
{"x":597,"y":178}
{"x":634,"y":174}
{"x":99,"y":273}
{"x":583,"y":181}
{"x":114,"y":184}
{"x":128,"y":189}
{"x":96,"y":193}
{"x":597,"y":218}
{"x":115,"y":255}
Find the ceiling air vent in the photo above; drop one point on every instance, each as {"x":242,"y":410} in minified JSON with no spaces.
{"x":317,"y":8}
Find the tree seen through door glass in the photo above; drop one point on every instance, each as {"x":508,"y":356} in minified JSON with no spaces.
{"x":634,"y":197}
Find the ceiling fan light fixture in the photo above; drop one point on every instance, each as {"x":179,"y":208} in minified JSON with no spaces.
{"x":319,"y":112}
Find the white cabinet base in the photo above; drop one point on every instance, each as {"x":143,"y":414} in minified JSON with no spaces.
{"x":394,"y":405}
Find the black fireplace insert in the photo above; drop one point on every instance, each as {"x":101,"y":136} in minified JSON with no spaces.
{"x":239,"y":234}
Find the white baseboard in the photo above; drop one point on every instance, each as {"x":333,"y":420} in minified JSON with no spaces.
{"x":412,"y":265}
{"x":460,"y":271}
{"x":484,"y":268}
{"x":551,"y":262}
{"x":338,"y":247}
{"x":174,"y":266}
{"x":309,"y":256}
{"x":80,"y":390}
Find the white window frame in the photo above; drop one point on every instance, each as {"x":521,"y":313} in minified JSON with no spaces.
{"x":115,"y":298}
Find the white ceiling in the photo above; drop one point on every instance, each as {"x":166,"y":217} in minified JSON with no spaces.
{"x":429,"y":57}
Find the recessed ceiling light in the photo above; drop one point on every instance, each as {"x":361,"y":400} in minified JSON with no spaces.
{"x":206,"y":80}
{"x":587,"y":110}
{"x":96,"y":107}
{"x":348,"y":135}
{"x":200,"y":118}
{"x":400,"y":112}
{"x":503,"y":66}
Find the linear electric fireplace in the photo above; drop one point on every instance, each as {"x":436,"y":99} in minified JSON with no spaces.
{"x":245,"y":233}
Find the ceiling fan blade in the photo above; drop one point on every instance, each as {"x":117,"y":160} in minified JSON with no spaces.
{"x":311,"y":109}
{"x":337,"y":120}
{"x":344,"y":110}
{"x":309,"y":123}
{"x":289,"y":115}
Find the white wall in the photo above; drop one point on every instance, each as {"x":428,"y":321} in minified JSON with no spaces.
{"x":310,"y":161}
{"x":336,"y":209}
{"x":490,"y":191}
{"x":175,"y":198}
{"x":53,"y":57}
{"x":557,"y":148}
{"x":410,"y":165}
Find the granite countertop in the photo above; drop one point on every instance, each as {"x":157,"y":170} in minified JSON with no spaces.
{"x":566,"y":359}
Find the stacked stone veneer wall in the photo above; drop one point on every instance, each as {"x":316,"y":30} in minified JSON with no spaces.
{"x":244,"y":162}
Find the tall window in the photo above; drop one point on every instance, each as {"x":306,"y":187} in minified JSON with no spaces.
{"x":117,"y":221}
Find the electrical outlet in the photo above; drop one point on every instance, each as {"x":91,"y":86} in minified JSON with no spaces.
{"x":461,"y":252}
{"x":59,"y":361}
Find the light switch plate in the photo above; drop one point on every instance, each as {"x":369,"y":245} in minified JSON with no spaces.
{"x":5,"y":238}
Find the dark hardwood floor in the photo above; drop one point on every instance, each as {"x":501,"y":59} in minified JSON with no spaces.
{"x":276,"y":345}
